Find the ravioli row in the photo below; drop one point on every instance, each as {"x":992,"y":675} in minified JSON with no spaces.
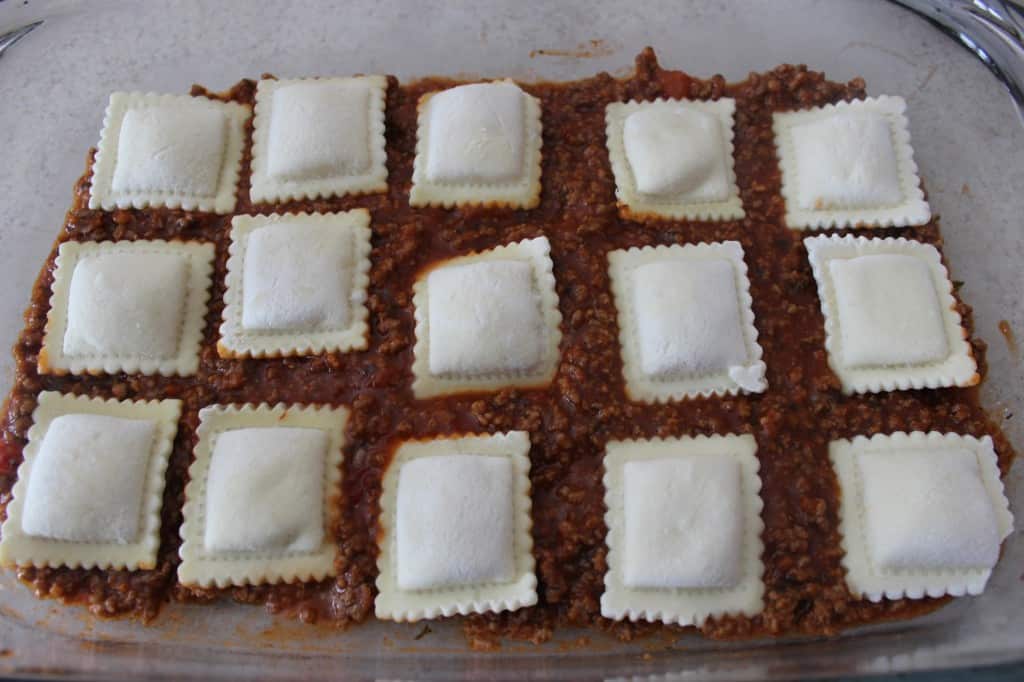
{"x":296,"y":284}
{"x":847,"y":164}
{"x":922,"y":514}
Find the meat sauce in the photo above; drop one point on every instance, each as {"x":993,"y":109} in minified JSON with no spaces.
{"x":570,"y":421}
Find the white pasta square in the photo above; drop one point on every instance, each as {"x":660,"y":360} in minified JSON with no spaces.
{"x":921,"y":514}
{"x":318,"y":137}
{"x":455,"y":528}
{"x":454,"y":520}
{"x":888,"y":311}
{"x":684,"y":529}
{"x":297,"y":285}
{"x":262,"y":495}
{"x":686,"y":326}
{"x":478,"y":144}
{"x":849,"y":165}
{"x":890,"y":316}
{"x":259,"y":474}
{"x":90,"y":487}
{"x":490,"y":300}
{"x":674,"y":159}
{"x":169,"y":150}
{"x":127,"y":307}
{"x":487,"y":321}
{"x":683,"y":523}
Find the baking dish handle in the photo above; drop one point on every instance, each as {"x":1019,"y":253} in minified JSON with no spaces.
{"x":992,"y":29}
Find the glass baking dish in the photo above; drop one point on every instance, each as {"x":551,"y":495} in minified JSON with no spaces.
{"x":968,"y":139}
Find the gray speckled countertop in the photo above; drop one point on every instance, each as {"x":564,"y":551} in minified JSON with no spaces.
{"x":968,"y":140}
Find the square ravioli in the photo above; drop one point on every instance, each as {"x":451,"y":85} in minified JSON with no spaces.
{"x":890,"y":315}
{"x":921,"y":514}
{"x":454,"y":517}
{"x":684,"y":529}
{"x":455,"y":528}
{"x":487,"y":321}
{"x":674,"y":159}
{"x":169,"y":150}
{"x":133,"y":306}
{"x":261,"y":500}
{"x":478,"y":144}
{"x":849,"y":164}
{"x":91,"y":485}
{"x":686,"y":326}
{"x":296,"y":285}
{"x":318,"y":137}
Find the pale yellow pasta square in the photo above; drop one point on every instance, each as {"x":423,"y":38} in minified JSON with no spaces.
{"x":714,"y":571}
{"x":91,"y":496}
{"x":674,"y":159}
{"x":487,"y":321}
{"x":129,"y":306}
{"x":296,"y":284}
{"x":269,"y":536}
{"x":318,"y":137}
{"x":456,"y":566}
{"x":478,"y":143}
{"x":169,"y":150}
{"x":921,"y":514}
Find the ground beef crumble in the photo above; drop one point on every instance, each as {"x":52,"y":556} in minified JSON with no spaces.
{"x":569,"y":422}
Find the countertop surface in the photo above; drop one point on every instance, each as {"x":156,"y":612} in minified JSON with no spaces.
{"x":968,"y":143}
